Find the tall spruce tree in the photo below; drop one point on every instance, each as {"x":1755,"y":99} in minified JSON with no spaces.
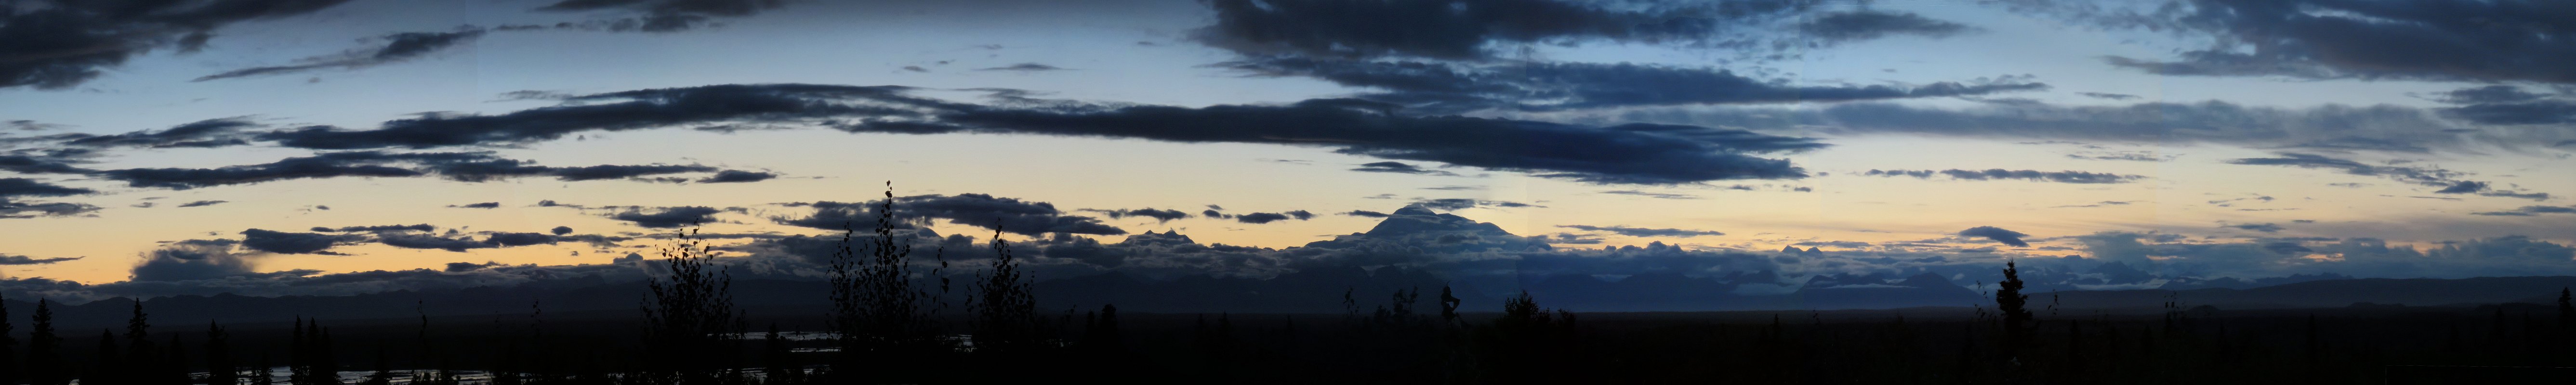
{"x":174,"y":368}
{"x":2015,"y":308}
{"x":9,"y":373}
{"x":106,"y":367}
{"x":44,"y":349}
{"x":220,"y":369}
{"x":142,"y":359}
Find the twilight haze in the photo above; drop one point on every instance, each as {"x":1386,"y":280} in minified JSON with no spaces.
{"x":330,"y":147}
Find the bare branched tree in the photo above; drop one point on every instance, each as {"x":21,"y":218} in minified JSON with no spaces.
{"x":687,"y":315}
{"x":878,"y":311}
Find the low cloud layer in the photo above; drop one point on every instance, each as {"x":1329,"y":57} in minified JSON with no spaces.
{"x":1644,"y":232}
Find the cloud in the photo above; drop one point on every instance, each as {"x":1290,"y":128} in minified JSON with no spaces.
{"x":2401,"y":39}
{"x":484,"y":205}
{"x":2215,"y":122}
{"x":737,"y":176}
{"x":1025,"y":67}
{"x":2079,"y":177}
{"x":1453,"y":204}
{"x":1260,"y":218}
{"x":202,"y":203}
{"x":669,"y":217}
{"x":1526,"y":86}
{"x":2099,"y":204}
{"x":204,"y":133}
{"x":1399,"y":168}
{"x":2510,"y":194}
{"x":561,"y":230}
{"x":1461,"y":31}
{"x":1628,"y":153}
{"x":395,"y":47}
{"x":1644,"y":232}
{"x":1997,"y":234}
{"x":291,"y":243}
{"x":2109,"y":96}
{"x":1650,"y":195}
{"x":2508,"y":105}
{"x":2424,"y":176}
{"x":57,"y":45}
{"x":24,"y":210}
{"x":522,"y":239}
{"x":379,"y":228}
{"x":2530,"y":211}
{"x":1366,"y":214}
{"x":667,"y":15}
{"x":1149,"y":212}
{"x":1569,"y":239}
{"x":427,"y":241}
{"x":18,"y":187}
{"x":192,"y":260}
{"x":2262,"y":227}
{"x":25,"y":164}
{"x":458,"y":166}
{"x":582,"y":173}
{"x":615,"y":111}
{"x":12,"y":208}
{"x":21,"y":260}
{"x":362,"y":164}
{"x":980,"y":210}
{"x":1871,"y":24}
{"x":30,"y":125}
{"x":2463,"y":187}
{"x":1633,"y":153}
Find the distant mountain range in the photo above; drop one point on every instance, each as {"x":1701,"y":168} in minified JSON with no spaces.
{"x":1362,"y":280}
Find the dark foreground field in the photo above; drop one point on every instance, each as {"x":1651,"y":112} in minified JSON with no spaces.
{"x":2360,"y":345}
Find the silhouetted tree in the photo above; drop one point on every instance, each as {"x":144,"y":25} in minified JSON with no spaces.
{"x":220,"y":369}
{"x":9,"y":373}
{"x":142,"y":361}
{"x":1005,"y":308}
{"x":174,"y":369}
{"x":2014,"y":305}
{"x":260,"y":375}
{"x":1398,"y":312}
{"x":780,"y":360}
{"x":879,"y":314}
{"x":298,"y":370}
{"x":311,"y":361}
{"x":1351,"y":304}
{"x":1530,"y":344}
{"x":2016,"y":320}
{"x":384,"y":374}
{"x":106,"y":367}
{"x":1448,"y":307}
{"x":44,"y":356}
{"x":687,"y":315}
{"x":1101,"y":336}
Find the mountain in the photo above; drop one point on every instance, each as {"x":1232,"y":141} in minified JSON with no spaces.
{"x":1414,"y":251}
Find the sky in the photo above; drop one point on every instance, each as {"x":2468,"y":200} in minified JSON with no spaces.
{"x":341,"y":146}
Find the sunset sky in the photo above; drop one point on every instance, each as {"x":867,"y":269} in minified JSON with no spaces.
{"x":2176,"y":134}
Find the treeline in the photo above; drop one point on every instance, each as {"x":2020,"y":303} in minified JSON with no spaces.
{"x":890,"y":322}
